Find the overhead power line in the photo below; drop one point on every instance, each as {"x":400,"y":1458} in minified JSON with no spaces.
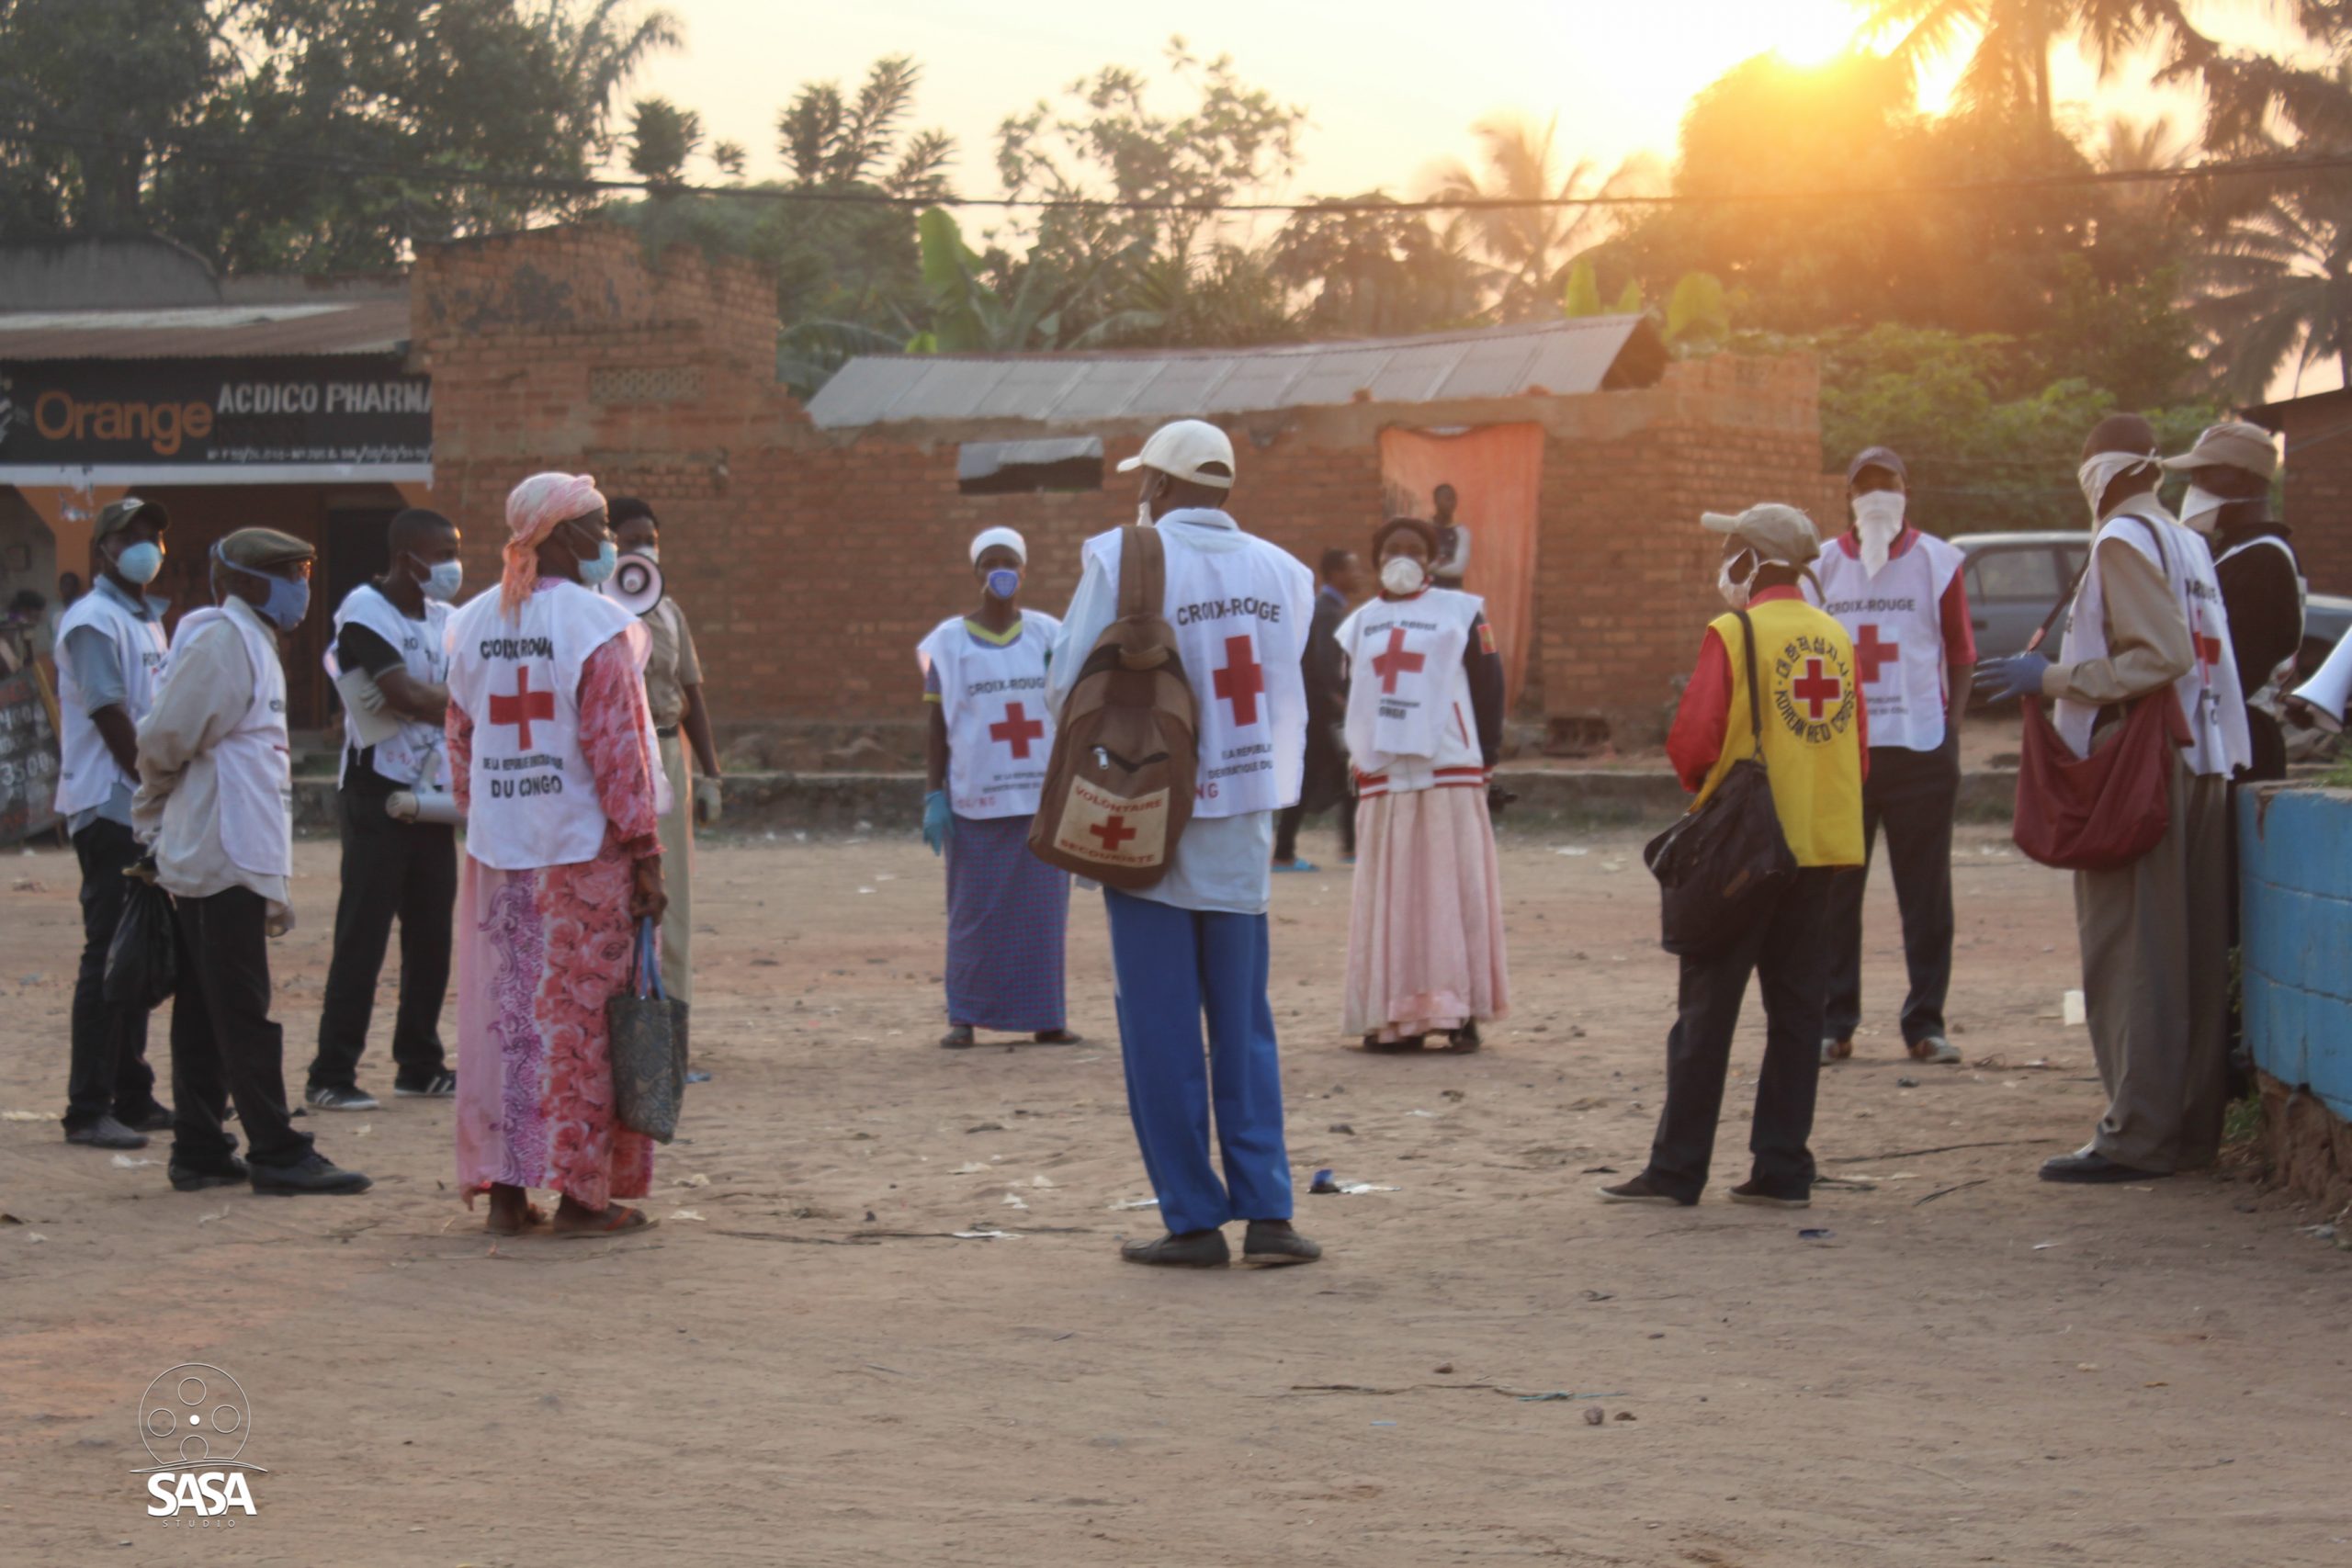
{"x":441,"y":174}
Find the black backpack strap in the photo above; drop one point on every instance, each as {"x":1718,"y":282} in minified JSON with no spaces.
{"x":1754,"y":696}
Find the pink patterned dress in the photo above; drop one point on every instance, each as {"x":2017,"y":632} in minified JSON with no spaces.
{"x":538,"y":953}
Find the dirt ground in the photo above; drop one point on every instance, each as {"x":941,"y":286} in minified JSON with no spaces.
{"x":803,"y":1364}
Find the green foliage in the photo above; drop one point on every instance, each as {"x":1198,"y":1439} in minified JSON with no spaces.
{"x":1990,"y":445}
{"x":1371,"y":274}
{"x":232,"y":125}
{"x":1698,"y":313}
{"x":1580,"y":296}
{"x":662,"y":138}
{"x":1529,"y":249}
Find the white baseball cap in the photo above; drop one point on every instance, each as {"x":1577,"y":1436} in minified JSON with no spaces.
{"x":1190,"y":449}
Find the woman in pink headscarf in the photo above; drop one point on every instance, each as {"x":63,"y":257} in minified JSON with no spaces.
{"x":552,"y":752}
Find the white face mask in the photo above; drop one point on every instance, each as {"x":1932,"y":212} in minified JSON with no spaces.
{"x":2098,"y":473}
{"x":1736,"y":591}
{"x":2201,"y":508}
{"x":1402,"y":575}
{"x":1878,"y":521}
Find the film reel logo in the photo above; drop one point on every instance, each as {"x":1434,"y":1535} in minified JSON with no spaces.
{"x":194,"y":1420}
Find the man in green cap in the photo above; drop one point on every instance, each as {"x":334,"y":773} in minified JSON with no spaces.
{"x":110,"y":656}
{"x":215,"y":809}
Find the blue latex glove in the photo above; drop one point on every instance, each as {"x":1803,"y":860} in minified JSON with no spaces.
{"x":2019,"y":675}
{"x":938,"y":822}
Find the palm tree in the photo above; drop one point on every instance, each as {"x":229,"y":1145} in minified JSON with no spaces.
{"x":2278,"y":281}
{"x":1527,"y":248}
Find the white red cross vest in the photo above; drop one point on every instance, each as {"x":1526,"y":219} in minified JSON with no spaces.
{"x":532,"y":800}
{"x":252,"y":767}
{"x":1240,"y":608}
{"x":88,"y":772}
{"x":993,"y":698}
{"x":417,"y":754}
{"x":2209,"y":697}
{"x":1409,"y":723}
{"x":1897,"y":622}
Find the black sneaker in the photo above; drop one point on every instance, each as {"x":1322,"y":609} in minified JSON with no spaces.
{"x":1196,"y":1249}
{"x":153,"y":1119}
{"x":323,"y":1099}
{"x":1640,"y":1189}
{"x":106,"y":1133}
{"x":1752,"y":1191}
{"x":313,"y":1173}
{"x":226,"y":1171}
{"x":1271,"y":1242}
{"x":440,"y":1085}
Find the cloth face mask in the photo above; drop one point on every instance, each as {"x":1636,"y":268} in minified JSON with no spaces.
{"x":1878,"y":520}
{"x":1003,"y":582}
{"x":2201,"y":508}
{"x":1736,"y":591}
{"x":2098,"y":473}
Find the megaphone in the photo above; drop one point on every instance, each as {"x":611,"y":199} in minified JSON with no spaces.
{"x":634,"y":585}
{"x":2323,"y":694}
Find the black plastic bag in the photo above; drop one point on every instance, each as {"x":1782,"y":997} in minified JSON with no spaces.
{"x":1719,"y":865}
{"x":142,"y":962}
{"x":648,"y":1048}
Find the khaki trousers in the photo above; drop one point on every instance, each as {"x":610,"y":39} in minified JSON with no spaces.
{"x":678,"y":875}
{"x":2155,"y":986}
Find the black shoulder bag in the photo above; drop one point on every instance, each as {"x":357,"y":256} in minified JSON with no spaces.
{"x":1718,"y":865}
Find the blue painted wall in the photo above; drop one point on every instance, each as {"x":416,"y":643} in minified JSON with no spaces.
{"x":2295,"y":871}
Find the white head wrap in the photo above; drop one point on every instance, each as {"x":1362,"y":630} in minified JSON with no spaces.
{"x":988,"y":538}
{"x":2103,"y":469}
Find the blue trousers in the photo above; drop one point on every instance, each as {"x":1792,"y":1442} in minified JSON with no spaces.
{"x":1173,"y":966}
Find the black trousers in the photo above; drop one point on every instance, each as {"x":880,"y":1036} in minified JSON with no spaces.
{"x":1286,"y":825}
{"x":1914,"y":796}
{"x":107,"y":1073}
{"x":1783,"y":949}
{"x":390,"y":869}
{"x":224,"y":1044}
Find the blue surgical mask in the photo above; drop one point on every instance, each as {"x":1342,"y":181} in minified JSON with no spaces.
{"x":289,"y":598}
{"x":141,"y":562}
{"x":598,"y":568}
{"x":1003,"y":582}
{"x":442,"y":580}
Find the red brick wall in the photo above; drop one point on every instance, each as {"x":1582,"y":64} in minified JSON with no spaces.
{"x":811,"y":563}
{"x":2319,"y":486}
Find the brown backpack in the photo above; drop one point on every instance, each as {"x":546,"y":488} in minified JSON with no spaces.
{"x":1119,"y":787}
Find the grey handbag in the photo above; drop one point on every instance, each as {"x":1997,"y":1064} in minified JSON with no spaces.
{"x":649,"y":1047}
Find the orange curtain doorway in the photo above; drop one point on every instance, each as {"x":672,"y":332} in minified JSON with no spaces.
{"x":1496,"y":472}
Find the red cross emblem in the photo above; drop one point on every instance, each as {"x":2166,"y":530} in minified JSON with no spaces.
{"x":1017,"y":730}
{"x":1242,"y":680}
{"x":1816,"y":689}
{"x":1113,"y":831}
{"x":2208,"y":648}
{"x":521,"y":708}
{"x":1396,"y":661}
{"x":1869,"y":654}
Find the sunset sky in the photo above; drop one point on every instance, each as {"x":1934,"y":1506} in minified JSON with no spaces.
{"x":1390,"y":86}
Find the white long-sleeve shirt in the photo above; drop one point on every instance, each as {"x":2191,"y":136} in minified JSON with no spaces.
{"x":1223,"y":864}
{"x":205,"y":695}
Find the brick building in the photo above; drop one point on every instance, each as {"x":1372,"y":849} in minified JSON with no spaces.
{"x":813,"y":549}
{"x":2319,"y":483}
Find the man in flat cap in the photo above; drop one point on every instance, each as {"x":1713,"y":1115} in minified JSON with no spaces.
{"x":2229,"y":473}
{"x":1775,"y":677}
{"x":215,"y":809}
{"x":110,"y":659}
{"x":2147,"y":618}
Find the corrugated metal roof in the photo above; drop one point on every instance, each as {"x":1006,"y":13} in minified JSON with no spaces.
{"x":1563,"y":358}
{"x":203,"y":332}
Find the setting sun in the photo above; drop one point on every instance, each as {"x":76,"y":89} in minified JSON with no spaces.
{"x":1807,"y":32}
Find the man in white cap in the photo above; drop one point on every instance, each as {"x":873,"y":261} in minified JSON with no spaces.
{"x":1775,"y":676}
{"x":1194,"y":944}
{"x":991,"y":735}
{"x":2155,"y":933}
{"x":1901,"y":596}
{"x":2229,"y":472}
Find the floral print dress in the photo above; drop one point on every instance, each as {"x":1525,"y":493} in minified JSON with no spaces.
{"x":538,"y":954}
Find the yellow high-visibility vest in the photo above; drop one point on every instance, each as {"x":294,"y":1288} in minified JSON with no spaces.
{"x":1812,"y":726}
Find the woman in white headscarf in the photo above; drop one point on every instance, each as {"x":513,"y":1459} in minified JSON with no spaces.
{"x":1008,"y":912}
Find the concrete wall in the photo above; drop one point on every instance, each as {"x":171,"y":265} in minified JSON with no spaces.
{"x":810,"y":563}
{"x":2295,"y":859}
